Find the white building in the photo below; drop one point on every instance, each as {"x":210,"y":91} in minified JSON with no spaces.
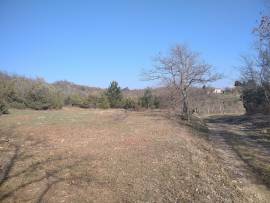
{"x":217,"y":91}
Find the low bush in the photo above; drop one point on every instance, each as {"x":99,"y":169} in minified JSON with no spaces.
{"x":254,"y":100}
{"x":43,"y":97}
{"x":129,"y":103}
{"x":17,"y":104}
{"x":3,"y":107}
{"x":81,"y":101}
{"x":88,"y":102}
{"x":103,"y":102}
{"x":74,"y":100}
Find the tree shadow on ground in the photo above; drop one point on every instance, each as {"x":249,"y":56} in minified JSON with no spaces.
{"x":243,"y":134}
{"x":249,"y":144}
{"x":24,"y":165}
{"x":254,"y":129}
{"x":196,"y":125}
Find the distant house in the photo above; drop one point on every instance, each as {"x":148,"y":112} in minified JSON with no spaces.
{"x":218,"y":91}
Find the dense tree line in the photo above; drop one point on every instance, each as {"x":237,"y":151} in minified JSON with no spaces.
{"x":113,"y":97}
{"x":20,"y":92}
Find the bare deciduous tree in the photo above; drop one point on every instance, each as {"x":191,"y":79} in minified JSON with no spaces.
{"x":263,"y":32}
{"x":180,"y":70}
{"x":249,"y":70}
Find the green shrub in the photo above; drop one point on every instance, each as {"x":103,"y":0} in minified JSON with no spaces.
{"x":3,"y":107}
{"x":57,"y":101}
{"x":5,"y":89}
{"x":15,"y":100}
{"x":103,"y":102}
{"x":74,"y":100}
{"x":129,"y":103}
{"x":17,"y":104}
{"x":254,"y":100}
{"x":84,"y":103}
{"x":156,"y":102}
{"x":43,"y":97}
{"x":89,"y":102}
{"x":81,"y":101}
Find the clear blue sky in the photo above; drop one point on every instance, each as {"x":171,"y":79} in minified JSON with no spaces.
{"x":94,"y":42}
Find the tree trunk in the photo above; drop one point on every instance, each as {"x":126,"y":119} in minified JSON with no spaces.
{"x":266,"y":94}
{"x":185,"y":105}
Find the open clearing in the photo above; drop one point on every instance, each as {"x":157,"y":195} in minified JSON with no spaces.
{"x":77,"y":155}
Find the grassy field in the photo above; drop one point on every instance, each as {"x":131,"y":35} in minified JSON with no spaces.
{"x":78,"y":155}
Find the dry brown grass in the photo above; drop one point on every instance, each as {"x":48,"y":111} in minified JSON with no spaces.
{"x":76,"y":155}
{"x":249,"y":137}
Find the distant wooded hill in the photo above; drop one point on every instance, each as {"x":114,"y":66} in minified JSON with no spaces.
{"x":21,"y":92}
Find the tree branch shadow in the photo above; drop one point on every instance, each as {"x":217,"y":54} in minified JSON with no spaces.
{"x":14,"y":165}
{"x":247,"y":143}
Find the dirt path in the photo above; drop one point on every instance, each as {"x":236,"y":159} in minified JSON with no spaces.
{"x":234,"y":146}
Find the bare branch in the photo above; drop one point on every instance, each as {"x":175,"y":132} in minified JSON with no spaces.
{"x":181,"y":69}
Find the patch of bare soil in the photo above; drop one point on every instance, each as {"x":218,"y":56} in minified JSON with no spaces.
{"x":75,"y":155}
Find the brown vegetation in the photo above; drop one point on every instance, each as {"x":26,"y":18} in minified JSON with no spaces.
{"x":181,"y":70}
{"x":246,"y":141}
{"x":78,"y":155}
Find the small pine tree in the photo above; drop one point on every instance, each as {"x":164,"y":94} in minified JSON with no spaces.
{"x":114,"y":95}
{"x":148,"y":100}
